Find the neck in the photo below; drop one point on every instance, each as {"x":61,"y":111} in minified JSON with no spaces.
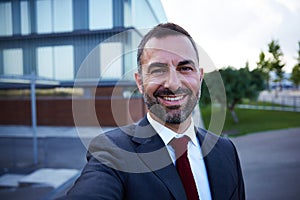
{"x":177,"y":128}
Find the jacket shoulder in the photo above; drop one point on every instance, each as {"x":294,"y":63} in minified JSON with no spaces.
{"x":119,"y":137}
{"x":213,"y":142}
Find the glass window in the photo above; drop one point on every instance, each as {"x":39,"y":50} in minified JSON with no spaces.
{"x":63,"y":19}
{"x":111,"y":60}
{"x":100,"y":14}
{"x":130,"y":52}
{"x":56,"y":62}
{"x":54,"y":16}
{"x":13,"y":61}
{"x":45,"y":62}
{"x":5,"y":19}
{"x":143,"y":15}
{"x":25,"y":19}
{"x":127,"y":13}
{"x":64,"y":62}
{"x":147,"y":13}
{"x":158,"y":10}
{"x":44,"y":21}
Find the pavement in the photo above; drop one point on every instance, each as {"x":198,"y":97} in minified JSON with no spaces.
{"x":60,"y":157}
{"x":270,"y":162}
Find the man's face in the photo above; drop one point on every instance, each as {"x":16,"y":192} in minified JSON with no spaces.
{"x":171,"y":79}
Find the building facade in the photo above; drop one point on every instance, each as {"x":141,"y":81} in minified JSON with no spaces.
{"x":88,"y":41}
{"x":53,"y":37}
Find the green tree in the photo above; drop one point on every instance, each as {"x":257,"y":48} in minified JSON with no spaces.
{"x":295,"y":76}
{"x":215,"y":91}
{"x":275,"y":61}
{"x":205,"y":97}
{"x":240,"y":84}
{"x":258,"y":79}
{"x":263,"y":67}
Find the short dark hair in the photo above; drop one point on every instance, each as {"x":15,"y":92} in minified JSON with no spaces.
{"x":160,"y":31}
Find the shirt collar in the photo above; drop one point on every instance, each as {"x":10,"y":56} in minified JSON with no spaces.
{"x":167,"y":134}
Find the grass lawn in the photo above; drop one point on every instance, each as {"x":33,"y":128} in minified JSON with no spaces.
{"x":251,"y":120}
{"x":262,"y":103}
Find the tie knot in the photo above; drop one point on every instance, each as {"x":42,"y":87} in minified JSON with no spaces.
{"x":179,"y":145}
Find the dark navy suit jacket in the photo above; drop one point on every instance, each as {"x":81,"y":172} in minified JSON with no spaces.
{"x":132,"y":162}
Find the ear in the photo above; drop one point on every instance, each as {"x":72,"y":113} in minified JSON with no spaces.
{"x":201,"y":74}
{"x":139,"y":81}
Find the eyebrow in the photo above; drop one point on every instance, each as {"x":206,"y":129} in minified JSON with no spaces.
{"x":157,"y":64}
{"x":181,"y":63}
{"x":186,"y":62}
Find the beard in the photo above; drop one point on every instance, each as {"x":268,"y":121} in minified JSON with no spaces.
{"x":171,"y":114}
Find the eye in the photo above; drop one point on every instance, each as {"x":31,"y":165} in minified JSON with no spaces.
{"x":186,"y":68}
{"x":157,"y":71}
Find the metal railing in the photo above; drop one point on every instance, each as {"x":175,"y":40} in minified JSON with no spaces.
{"x":283,"y":101}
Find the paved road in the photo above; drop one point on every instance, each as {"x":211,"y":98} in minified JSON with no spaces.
{"x":271,"y":164}
{"x":53,"y":152}
{"x":270,"y":161}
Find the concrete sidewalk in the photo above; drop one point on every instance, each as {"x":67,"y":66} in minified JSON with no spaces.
{"x":51,"y":131}
{"x":60,"y":160}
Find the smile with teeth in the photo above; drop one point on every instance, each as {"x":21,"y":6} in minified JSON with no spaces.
{"x":174,"y":98}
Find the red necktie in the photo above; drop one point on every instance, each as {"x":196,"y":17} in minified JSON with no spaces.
{"x":184,"y":168}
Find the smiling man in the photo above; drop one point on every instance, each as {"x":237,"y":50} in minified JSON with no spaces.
{"x":161,"y":157}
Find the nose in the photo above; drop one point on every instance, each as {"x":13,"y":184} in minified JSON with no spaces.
{"x":173,"y":81}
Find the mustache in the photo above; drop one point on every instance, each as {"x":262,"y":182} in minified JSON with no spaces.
{"x":166,"y":92}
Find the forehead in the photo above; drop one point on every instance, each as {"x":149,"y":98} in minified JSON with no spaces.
{"x":178,"y":46}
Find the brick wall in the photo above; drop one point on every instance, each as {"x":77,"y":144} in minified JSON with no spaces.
{"x":59,"y":112}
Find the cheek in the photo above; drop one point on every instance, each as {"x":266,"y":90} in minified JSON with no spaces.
{"x":192,"y":83}
{"x":150,"y":88}
{"x":151,"y":84}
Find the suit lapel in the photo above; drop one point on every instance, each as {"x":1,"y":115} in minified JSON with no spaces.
{"x":213,"y":156}
{"x":154,"y":154}
{"x":215,"y":176}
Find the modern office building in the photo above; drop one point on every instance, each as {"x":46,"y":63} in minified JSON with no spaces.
{"x":59,"y":39}
{"x":53,"y":37}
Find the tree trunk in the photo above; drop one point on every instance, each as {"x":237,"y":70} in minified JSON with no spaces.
{"x":234,"y":116}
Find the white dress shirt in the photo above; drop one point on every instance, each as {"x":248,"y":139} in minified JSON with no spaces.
{"x":194,"y":154}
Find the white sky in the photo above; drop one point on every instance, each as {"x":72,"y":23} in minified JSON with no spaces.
{"x":235,"y":31}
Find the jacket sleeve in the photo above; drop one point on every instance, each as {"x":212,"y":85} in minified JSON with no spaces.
{"x":98,"y":180}
{"x":241,"y":187}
